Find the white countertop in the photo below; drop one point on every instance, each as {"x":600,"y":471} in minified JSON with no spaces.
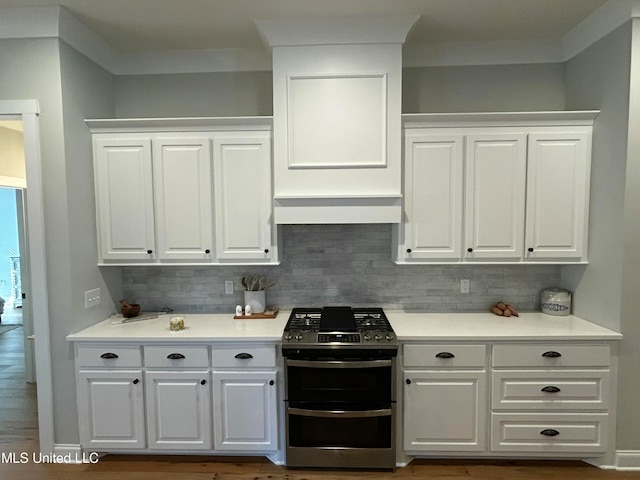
{"x":408,"y":327}
{"x":490,"y":327}
{"x":199,"y":327}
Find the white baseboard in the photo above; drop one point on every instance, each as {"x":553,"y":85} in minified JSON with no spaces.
{"x":623,"y":460}
{"x":69,"y":453}
{"x":627,"y":460}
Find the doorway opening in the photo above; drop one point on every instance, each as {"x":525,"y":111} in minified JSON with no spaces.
{"x":33,"y":274}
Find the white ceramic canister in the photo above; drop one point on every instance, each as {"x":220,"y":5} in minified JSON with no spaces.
{"x":555,"y":301}
{"x":256,"y":299}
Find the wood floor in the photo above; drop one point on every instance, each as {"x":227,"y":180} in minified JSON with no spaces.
{"x":18,"y":436}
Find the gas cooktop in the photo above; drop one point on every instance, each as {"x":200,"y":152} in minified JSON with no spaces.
{"x":338,"y":327}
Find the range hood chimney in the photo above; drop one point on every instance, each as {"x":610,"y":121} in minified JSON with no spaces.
{"x":337,"y":94}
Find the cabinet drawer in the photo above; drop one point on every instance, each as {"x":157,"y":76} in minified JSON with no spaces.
{"x":176,"y":356}
{"x":243,"y":356}
{"x":550,"y":433}
{"x":109,"y":356}
{"x":551,"y":355}
{"x":444,"y":355}
{"x":550,"y":390}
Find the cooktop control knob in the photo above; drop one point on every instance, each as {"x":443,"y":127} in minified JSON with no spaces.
{"x":298,"y":336}
{"x":378,"y":337}
{"x":366,"y":337}
{"x":287,"y":336}
{"x":389,"y":337}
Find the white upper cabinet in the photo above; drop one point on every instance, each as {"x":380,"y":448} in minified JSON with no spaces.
{"x":495,"y":195}
{"x":558,"y":194}
{"x":337,"y":94}
{"x":501,"y":187}
{"x":183,"y":198}
{"x":184,"y":191}
{"x":124,"y":195}
{"x":433,"y":195}
{"x":243,"y":196}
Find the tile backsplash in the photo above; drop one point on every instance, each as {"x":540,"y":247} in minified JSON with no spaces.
{"x":341,"y":265}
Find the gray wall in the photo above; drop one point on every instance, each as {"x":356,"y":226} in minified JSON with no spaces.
{"x":342,"y":265}
{"x":87,"y":92}
{"x":605,"y":291}
{"x":193,"y":95}
{"x":429,"y":89}
{"x":492,"y":88}
{"x":598,"y":78}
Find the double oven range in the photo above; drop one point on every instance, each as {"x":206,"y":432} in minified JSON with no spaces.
{"x":340,"y":401}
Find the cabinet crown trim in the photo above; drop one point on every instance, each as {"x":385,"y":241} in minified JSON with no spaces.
{"x":120,"y":125}
{"x":525,"y":119}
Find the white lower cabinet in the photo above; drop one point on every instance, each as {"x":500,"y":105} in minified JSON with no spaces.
{"x":445,"y":411}
{"x":551,"y":399}
{"x":165,"y":397}
{"x":549,"y":433}
{"x":178,"y":410}
{"x":111,"y":409}
{"x":445,"y":398}
{"x":244,"y":411}
{"x":514,"y":399}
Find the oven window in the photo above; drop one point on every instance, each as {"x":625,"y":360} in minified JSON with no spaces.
{"x":370,"y":385}
{"x":368,"y":432}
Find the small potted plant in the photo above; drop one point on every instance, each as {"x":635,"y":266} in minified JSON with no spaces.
{"x":254,"y":292}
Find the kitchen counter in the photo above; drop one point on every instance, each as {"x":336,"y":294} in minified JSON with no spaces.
{"x":408,"y":326}
{"x":199,"y":327}
{"x":490,"y":327}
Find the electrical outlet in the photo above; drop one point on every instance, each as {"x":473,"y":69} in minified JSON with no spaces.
{"x":228,"y":287}
{"x":464,"y":285}
{"x":92,"y":298}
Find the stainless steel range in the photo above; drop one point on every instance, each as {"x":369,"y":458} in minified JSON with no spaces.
{"x":340,"y":388}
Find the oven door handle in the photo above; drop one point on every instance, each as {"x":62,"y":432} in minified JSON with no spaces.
{"x":384,"y":412}
{"x":338,"y":363}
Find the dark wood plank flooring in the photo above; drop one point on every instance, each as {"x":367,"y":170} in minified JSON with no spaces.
{"x":19,"y":433}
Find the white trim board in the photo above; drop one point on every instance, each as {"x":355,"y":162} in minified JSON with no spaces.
{"x":624,"y":460}
{"x":48,"y":22}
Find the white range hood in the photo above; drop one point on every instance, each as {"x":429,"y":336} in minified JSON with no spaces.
{"x":337,"y":118}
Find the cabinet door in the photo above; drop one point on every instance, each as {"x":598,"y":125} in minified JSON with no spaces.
{"x":557,"y":195}
{"x":494,"y":207}
{"x":183,"y":198}
{"x":433,"y":197}
{"x":243,"y":197}
{"x":445,"y":411}
{"x":124,"y":195}
{"x":111,"y":409}
{"x":179,"y":410}
{"x":245,"y":411}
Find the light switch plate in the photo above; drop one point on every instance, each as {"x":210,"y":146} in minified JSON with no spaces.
{"x":464,"y":285}
{"x":228,"y":287}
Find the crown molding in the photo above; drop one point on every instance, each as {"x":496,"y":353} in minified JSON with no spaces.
{"x":57,"y":22}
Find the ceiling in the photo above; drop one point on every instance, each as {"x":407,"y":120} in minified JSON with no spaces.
{"x":137,"y":26}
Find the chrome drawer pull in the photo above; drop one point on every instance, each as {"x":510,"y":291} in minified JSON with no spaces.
{"x":550,"y":389}
{"x":445,"y":355}
{"x":551,"y":354}
{"x":109,"y":356}
{"x":244,"y":356}
{"x":175,"y":356}
{"x":549,"y":432}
